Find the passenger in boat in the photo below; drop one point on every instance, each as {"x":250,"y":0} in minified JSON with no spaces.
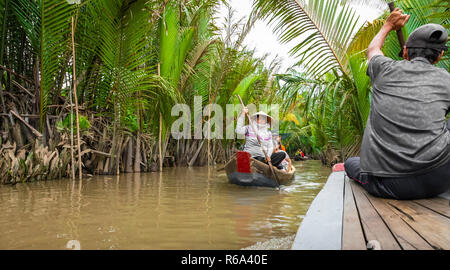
{"x":405,"y":152}
{"x":299,"y":155}
{"x":262,"y":122}
{"x":278,"y":139}
{"x":286,"y":163}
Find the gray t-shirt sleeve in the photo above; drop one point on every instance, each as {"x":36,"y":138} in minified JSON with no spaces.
{"x":378,"y":65}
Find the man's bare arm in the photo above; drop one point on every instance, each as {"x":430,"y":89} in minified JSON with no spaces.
{"x":377,"y":42}
{"x":395,"y":21}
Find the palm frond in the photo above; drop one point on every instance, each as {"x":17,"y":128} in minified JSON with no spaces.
{"x":324,"y":29}
{"x":361,"y":99}
{"x":243,"y":87}
{"x":127,"y":78}
{"x":421,"y":12}
{"x":196,"y":58}
{"x":377,"y":4}
{"x":4,"y":11}
{"x":364,"y":36}
{"x":48,"y":25}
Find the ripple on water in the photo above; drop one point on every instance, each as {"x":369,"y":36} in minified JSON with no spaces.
{"x":182,"y":208}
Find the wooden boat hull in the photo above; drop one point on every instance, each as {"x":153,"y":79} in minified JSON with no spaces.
{"x":251,"y":172}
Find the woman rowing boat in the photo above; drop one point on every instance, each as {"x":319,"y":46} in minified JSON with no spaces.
{"x":252,"y":146}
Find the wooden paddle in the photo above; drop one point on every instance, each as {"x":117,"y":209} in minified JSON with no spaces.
{"x":400,"y":37}
{"x":259,"y":141}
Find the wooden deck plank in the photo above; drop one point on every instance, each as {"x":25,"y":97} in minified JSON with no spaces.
{"x":373,"y":226}
{"x":439,"y":205}
{"x":434,"y":228}
{"x":352,"y":232}
{"x":405,"y":235}
{"x":321,"y":229}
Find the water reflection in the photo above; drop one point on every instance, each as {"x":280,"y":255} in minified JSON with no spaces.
{"x":180,"y":208}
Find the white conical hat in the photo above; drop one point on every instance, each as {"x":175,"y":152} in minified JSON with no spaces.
{"x":261,"y":113}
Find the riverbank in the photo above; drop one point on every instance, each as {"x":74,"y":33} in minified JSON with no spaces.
{"x":36,"y":161}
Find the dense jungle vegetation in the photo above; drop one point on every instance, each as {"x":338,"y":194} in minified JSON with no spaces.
{"x":110,"y":71}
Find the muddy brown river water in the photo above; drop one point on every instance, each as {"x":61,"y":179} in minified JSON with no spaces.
{"x":181,"y":208}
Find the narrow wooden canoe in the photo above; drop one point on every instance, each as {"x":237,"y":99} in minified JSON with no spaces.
{"x":245,"y":171}
{"x":298,"y":158}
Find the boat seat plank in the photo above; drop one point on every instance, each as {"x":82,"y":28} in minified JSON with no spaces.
{"x":321,"y":229}
{"x":434,"y":228}
{"x":352,"y":232}
{"x":373,"y":225}
{"x":439,"y":205}
{"x":404,"y":234}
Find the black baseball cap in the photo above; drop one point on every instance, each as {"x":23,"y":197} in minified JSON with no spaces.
{"x":433,"y":36}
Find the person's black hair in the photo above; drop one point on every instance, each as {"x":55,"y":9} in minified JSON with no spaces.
{"x":430,"y":54}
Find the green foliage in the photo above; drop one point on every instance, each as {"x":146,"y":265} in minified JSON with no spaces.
{"x":65,"y":123}
{"x":134,"y":59}
{"x":244,"y":85}
{"x":441,"y":12}
{"x":130,"y":121}
{"x":47,"y":24}
{"x":174,"y":45}
{"x":124,"y":76}
{"x":358,"y":66}
{"x":4,"y":10}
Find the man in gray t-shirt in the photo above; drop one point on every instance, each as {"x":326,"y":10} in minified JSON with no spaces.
{"x":405,"y":153}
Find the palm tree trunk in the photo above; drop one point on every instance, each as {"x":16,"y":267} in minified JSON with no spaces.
{"x":194,"y":158}
{"x":160,"y":129}
{"x":138,"y":157}
{"x":159,"y":143}
{"x":72,"y":164}
{"x":80,"y":174}
{"x":129,"y":156}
